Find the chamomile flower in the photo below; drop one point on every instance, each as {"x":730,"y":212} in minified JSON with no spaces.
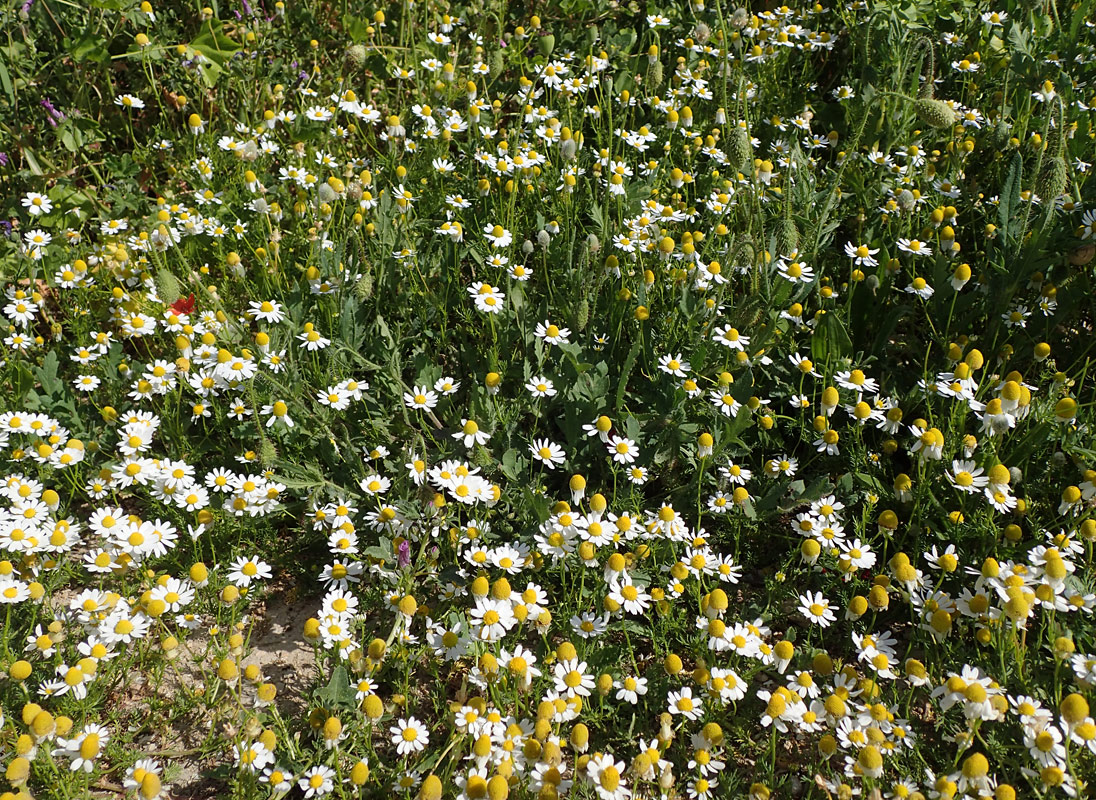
{"x":409,"y":736}
{"x":855,"y":380}
{"x":470,"y":434}
{"x":548,"y":453}
{"x":725,"y":403}
{"x":551,"y":334}
{"x":673,"y":365}
{"x":277,"y":413}
{"x":487,"y":298}
{"x":630,"y":689}
{"x":421,"y":397}
{"x":967,"y":477}
{"x":491,"y":619}
{"x":682,"y":703}
{"x":36,"y":204}
{"x":446,"y":386}
{"x":622,"y":450}
{"x":317,"y":781}
{"x":795,"y":271}
{"x":498,"y":236}
{"x":334,"y":398}
{"x":245,"y":570}
{"x":816,"y":608}
{"x":311,"y":340}
{"x":129,"y":102}
{"x":728,"y":336}
{"x":540,"y":387}
{"x":267,"y":311}
{"x":861,"y":255}
{"x":914,"y":247}
{"x":571,"y":678}
{"x":606,"y":774}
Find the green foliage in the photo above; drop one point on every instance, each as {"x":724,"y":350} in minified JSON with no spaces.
{"x":333,"y":310}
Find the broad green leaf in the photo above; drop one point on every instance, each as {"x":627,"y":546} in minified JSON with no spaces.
{"x":23,"y":381}
{"x":5,"y":81}
{"x":512,"y":463}
{"x":69,"y":140}
{"x":32,"y":162}
{"x":1019,"y":37}
{"x":216,"y":48}
{"x":830,"y":339}
{"x":356,"y":28}
{"x":47,"y":374}
{"x":211,"y":73}
{"x":88,"y":46}
{"x":623,"y":40}
{"x":805,"y":494}
{"x":338,"y":693}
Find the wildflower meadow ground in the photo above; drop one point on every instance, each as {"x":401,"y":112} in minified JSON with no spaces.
{"x":609,"y":400}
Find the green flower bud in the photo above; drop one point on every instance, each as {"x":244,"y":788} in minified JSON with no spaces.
{"x":739,"y":149}
{"x":935,"y":113}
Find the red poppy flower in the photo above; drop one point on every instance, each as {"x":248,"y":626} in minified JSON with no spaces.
{"x":184,"y":305}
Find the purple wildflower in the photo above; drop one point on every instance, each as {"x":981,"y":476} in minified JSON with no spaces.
{"x":55,"y":116}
